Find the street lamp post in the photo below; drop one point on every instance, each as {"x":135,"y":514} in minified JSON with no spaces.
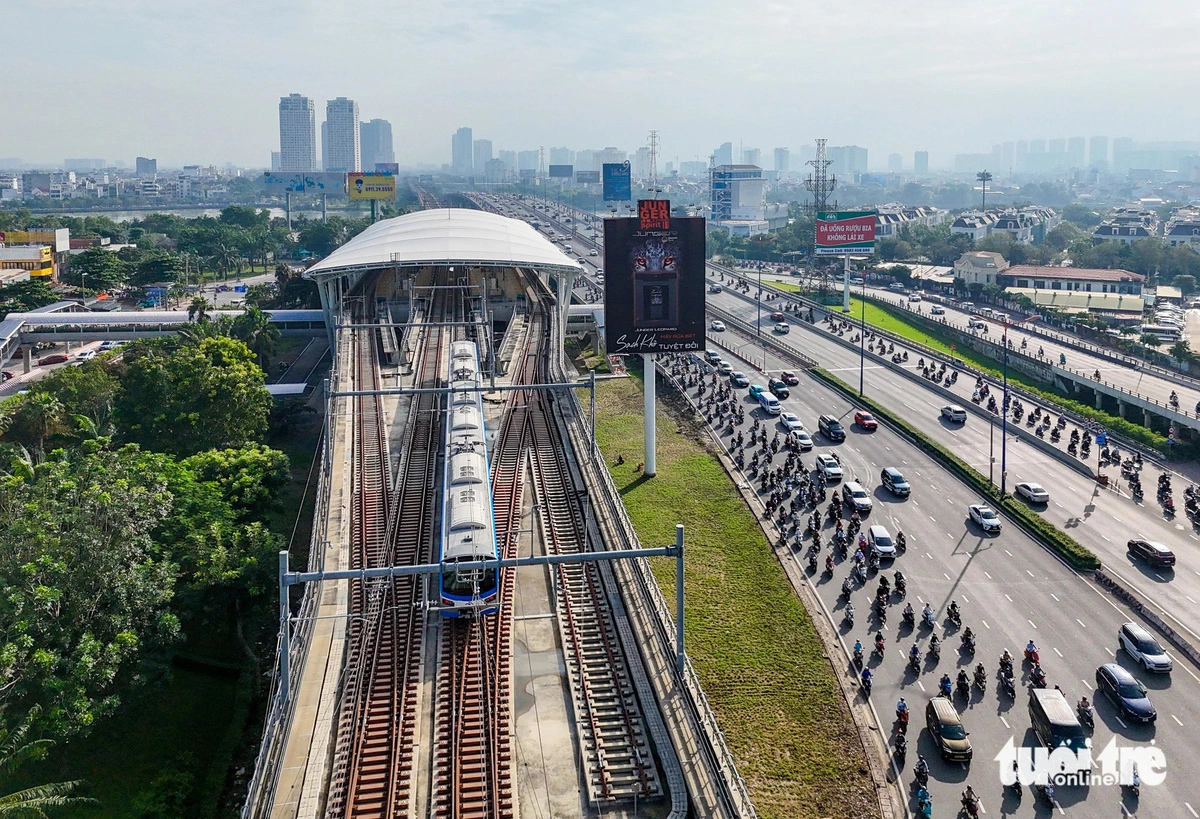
{"x":862,"y":335}
{"x":1004,"y":417}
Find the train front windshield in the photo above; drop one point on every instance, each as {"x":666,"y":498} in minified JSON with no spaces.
{"x":469,"y":583}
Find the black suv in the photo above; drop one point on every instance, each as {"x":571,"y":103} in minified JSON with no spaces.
{"x":1151,"y":551}
{"x":832,"y":428}
{"x":779,"y":388}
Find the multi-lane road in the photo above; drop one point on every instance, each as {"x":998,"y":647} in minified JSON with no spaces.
{"x":1011,"y":589}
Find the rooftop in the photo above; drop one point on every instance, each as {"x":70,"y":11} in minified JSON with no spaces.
{"x":1093,"y":274}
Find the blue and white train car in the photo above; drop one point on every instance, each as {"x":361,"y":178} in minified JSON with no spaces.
{"x":468,"y":523}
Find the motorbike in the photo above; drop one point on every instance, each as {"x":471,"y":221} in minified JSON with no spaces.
{"x":858,"y":658}
{"x":968,"y":643}
{"x":1086,"y":717}
{"x":909,"y":618}
{"x":901,"y":587}
{"x":1008,"y":685}
{"x":880,"y":646}
{"x":812,"y":562}
{"x":964,"y":688}
{"x":1038,"y":680}
{"x":901,"y":748}
{"x":1045,"y":791}
{"x":849,"y":615}
{"x":944,"y":687}
{"x":954,"y":616}
{"x":1006,"y":666}
{"x":922,"y":772}
{"x":970,"y":803}
{"x":981,"y":681}
{"x":1032,"y":656}
{"x":914,"y":662}
{"x":924,"y":804}
{"x":901,"y":542}
{"x":902,"y":719}
{"x":927,"y":619}
{"x":1135,"y":785}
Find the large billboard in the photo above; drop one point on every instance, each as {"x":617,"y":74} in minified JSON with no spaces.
{"x":845,"y":232}
{"x":617,"y":186}
{"x":654,"y":282}
{"x":60,"y":238}
{"x":277,"y":182}
{"x":561,"y":171}
{"x":587,"y":177}
{"x":371,"y":186}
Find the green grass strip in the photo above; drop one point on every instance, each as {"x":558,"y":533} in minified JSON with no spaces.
{"x":754,"y":647}
{"x":1071,"y":550}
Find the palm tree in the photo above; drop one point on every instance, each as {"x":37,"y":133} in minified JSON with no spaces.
{"x":984,"y":177}
{"x":254,"y":327}
{"x":41,"y":412}
{"x":198,"y":309}
{"x":14,"y":751}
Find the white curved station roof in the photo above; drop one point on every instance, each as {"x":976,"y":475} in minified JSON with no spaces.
{"x":443,"y":237}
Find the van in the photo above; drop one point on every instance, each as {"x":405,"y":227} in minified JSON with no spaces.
{"x":1054,"y":721}
{"x":769,"y":402}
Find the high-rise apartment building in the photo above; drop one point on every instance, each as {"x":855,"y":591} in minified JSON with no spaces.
{"x":724,"y":154}
{"x":561,"y":156}
{"x":895,"y":163}
{"x":1098,"y":153}
{"x":752,"y":156}
{"x":345,"y":148}
{"x":146,"y":167}
{"x":462,"y":147}
{"x":1075,"y":151}
{"x":527,"y":160}
{"x":509,"y":158}
{"x":848,"y":160}
{"x":921,"y":163}
{"x":783,"y":160}
{"x":481,"y":155}
{"x":297,"y":134}
{"x":324,"y":145}
{"x":375,"y":139}
{"x":275,"y":160}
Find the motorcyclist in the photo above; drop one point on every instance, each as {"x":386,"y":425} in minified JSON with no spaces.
{"x":908,"y":611}
{"x":968,"y":637}
{"x":952,"y":610}
{"x":914,"y":653}
{"x":899,"y":578}
{"x":850,"y":611}
{"x":927,"y":613}
{"x":902,"y":706}
{"x":879,"y":641}
{"x":866,"y":677}
{"x":1006,"y":659}
{"x":858,"y":648}
{"x":1084,"y":705}
{"x":980,"y":672}
{"x":1037,"y":673}
{"x":962,"y":678}
{"x":944,"y":683}
{"x":935,"y":644}
{"x":1030,"y":648}
{"x":846,"y":586}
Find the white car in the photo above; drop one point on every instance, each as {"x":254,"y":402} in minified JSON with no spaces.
{"x":87,"y":355}
{"x":829,"y":466}
{"x":1032,"y":492}
{"x":914,"y":297}
{"x":937,"y":310}
{"x":593,"y":252}
{"x":803,"y":440}
{"x":790,"y":421}
{"x":954,"y":413}
{"x":985,"y":516}
{"x":717,"y":326}
{"x":725,"y":368}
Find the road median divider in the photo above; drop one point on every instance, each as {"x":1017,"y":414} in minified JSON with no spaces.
{"x":1074,"y":553}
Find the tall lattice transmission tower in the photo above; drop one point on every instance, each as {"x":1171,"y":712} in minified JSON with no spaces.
{"x":654,"y":163}
{"x":820,"y":183}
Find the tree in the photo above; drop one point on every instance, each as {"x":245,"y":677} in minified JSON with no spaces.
{"x":319,"y":238}
{"x":1186,"y":283}
{"x":254,"y":328}
{"x":249,"y":477}
{"x":203,"y":395}
{"x":36,"y":419}
{"x":23,"y":296}
{"x":15,"y":750}
{"x":983,"y":177}
{"x":97,"y":269}
{"x":1181,"y":351}
{"x":198,"y":309}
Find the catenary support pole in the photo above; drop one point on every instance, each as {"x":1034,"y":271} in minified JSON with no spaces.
{"x":846,"y":285}
{"x":680,"y":654}
{"x":649,"y":467}
{"x":285,"y":629}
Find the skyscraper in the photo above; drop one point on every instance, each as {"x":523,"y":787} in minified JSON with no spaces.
{"x":1098,"y":153}
{"x":482,"y":153}
{"x":561,"y":156}
{"x":146,"y":167}
{"x":724,"y":153}
{"x":921,"y":163}
{"x":752,"y":156}
{"x":344,"y":153}
{"x":375,"y":138}
{"x":297,"y":134}
{"x":461,"y":148}
{"x":895,"y":163}
{"x":783,"y":160}
{"x":1075,"y":149}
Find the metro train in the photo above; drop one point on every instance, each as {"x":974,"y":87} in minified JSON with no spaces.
{"x":468,"y":523}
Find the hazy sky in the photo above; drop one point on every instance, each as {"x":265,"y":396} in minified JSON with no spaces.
{"x":200,"y":81}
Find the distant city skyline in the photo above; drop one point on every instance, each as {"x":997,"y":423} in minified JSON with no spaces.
{"x":926,"y":82}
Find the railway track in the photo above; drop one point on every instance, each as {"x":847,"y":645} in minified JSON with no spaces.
{"x":374,"y":756}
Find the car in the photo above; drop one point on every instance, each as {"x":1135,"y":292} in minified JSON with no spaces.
{"x":803,"y":440}
{"x":778,"y":388}
{"x":954,"y":413}
{"x":783,"y":328}
{"x":105,"y":346}
{"x":977,"y":324}
{"x":865,"y":420}
{"x":725,"y":368}
{"x":757,"y":390}
{"x":717,"y":326}
{"x":854,"y":494}
{"x":777,"y":316}
{"x":600,"y":277}
{"x":985,"y":516}
{"x":789,"y":378}
{"x":829,"y":466}
{"x":914,"y":297}
{"x":87,"y":355}
{"x":832,"y":428}
{"x":1125,"y":692}
{"x":937,"y":310}
{"x":57,"y":358}
{"x":946,"y":728}
{"x":791,"y":421}
{"x":1141,"y":646}
{"x":714,"y":288}
{"x":593,"y":252}
{"x":713,"y":357}
{"x":1033,"y":492}
{"x":894,"y":481}
{"x":896,"y":287}
{"x":1151,"y":551}
{"x":7,"y":374}
{"x":880,"y":542}
{"x":738,"y":379}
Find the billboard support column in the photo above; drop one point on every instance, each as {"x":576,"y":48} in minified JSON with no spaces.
{"x":324,"y":208}
{"x":846,"y":285}
{"x":649,"y":466}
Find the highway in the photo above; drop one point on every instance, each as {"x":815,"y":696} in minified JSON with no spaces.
{"x":1010,"y":587}
{"x":1100,"y":519}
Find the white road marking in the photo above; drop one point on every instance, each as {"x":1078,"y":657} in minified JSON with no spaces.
{"x":932,"y":518}
{"x":1080,"y":622}
{"x":916,"y":504}
{"x":1106,"y":538}
{"x":965,"y":600}
{"x":1032,"y":623}
{"x":1177,"y":720}
{"x":929,"y":555}
{"x":1010,"y":554}
{"x":1118,"y":719}
{"x":1111,"y":653}
{"x":1117,"y":519}
{"x":989,"y":577}
{"x":945,"y":575}
{"x":920,"y":685}
{"x":1190,"y":600}
{"x":1009,"y":599}
{"x":985,"y":624}
{"x":1056,"y":600}
{"x":1189,"y":807}
{"x":1029,"y":572}
{"x":1056,"y":651}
